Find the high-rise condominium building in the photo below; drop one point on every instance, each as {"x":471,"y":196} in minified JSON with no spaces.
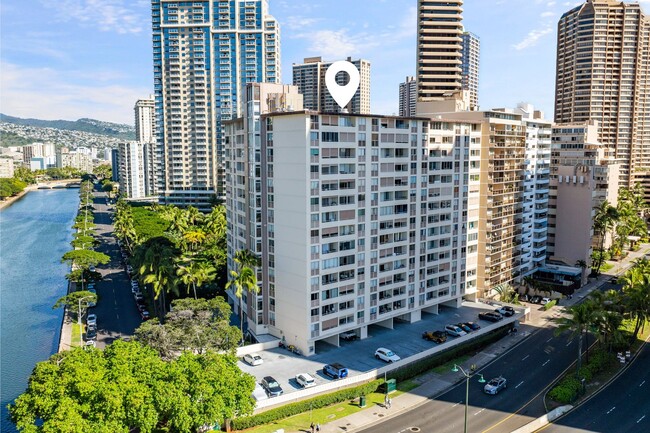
{"x":408,"y":97}
{"x":145,"y":120}
{"x":309,"y":77}
{"x":204,"y":54}
{"x":471,"y":54}
{"x":439,"y":50}
{"x":581,"y":179}
{"x":603,"y":74}
{"x":38,"y":150}
{"x":364,"y":220}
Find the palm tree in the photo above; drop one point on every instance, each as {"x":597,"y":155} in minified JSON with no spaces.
{"x":156,"y":266}
{"x":194,"y":273}
{"x":215,"y":222}
{"x":245,"y":279}
{"x":193,"y":239}
{"x":582,"y":318}
{"x":636,"y":294}
{"x":247,"y":258}
{"x":583,"y":265}
{"x":604,"y":220}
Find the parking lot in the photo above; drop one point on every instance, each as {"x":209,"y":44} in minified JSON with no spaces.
{"x":358,"y":356}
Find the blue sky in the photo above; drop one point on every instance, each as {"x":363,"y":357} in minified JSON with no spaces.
{"x":66,"y":59}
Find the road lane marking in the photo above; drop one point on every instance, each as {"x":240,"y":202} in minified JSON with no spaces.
{"x":640,"y":419}
{"x":520,"y":383}
{"x":457,"y":403}
{"x":549,"y":339}
{"x":525,"y":357}
{"x":642,"y":383}
{"x":547,"y":361}
{"x":611,"y":410}
{"x":569,"y":343}
{"x":479,"y":411}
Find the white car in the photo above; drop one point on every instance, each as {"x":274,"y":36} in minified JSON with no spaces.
{"x":305,"y":380}
{"x":253,"y":359}
{"x":454,"y":331}
{"x":545,"y":301}
{"x":91,"y":320}
{"x":386,"y":355}
{"x":495,"y":385}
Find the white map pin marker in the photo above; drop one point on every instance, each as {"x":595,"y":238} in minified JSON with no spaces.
{"x":342,"y":94}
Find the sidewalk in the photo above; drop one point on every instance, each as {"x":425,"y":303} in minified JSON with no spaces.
{"x":65,"y":339}
{"x":432,"y":384}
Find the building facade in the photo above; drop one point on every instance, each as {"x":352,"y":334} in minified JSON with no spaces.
{"x":362,"y":221}
{"x":38,"y":150}
{"x":79,"y":160}
{"x":603,"y":74}
{"x":408,"y":97}
{"x":309,"y":77}
{"x":6,"y":167}
{"x":439,"y":49}
{"x":581,"y":179}
{"x":145,"y":118}
{"x":132,"y":169}
{"x":205,"y":52}
{"x":471,"y":56}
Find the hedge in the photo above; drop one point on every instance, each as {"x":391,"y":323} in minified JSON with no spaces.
{"x":404,"y":373}
{"x":568,"y":389}
{"x":305,"y":405}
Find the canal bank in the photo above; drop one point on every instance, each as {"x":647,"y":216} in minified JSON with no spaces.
{"x":35,"y":232}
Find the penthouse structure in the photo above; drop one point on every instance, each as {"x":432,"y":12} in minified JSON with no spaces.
{"x":309,"y":77}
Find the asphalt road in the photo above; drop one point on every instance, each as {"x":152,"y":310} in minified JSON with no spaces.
{"x":529,"y":368}
{"x":117,"y":314}
{"x":622,"y":407}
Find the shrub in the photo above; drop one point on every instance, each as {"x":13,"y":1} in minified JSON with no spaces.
{"x":600,"y":361}
{"x":566,"y":391}
{"x":550,"y":305}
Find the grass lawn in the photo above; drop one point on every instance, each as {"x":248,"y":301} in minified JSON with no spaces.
{"x":324,"y":415}
{"x":606,"y":267}
{"x":77,"y":331}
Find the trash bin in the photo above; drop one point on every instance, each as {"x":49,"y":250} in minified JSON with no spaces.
{"x":362,"y":401}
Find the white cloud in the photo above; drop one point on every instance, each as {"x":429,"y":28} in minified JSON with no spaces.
{"x":50,"y":94}
{"x":532,"y":38}
{"x":547,"y":14}
{"x":121,"y":16}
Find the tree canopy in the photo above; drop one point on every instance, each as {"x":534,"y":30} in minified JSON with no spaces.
{"x":196,"y":325}
{"x":128,"y":386}
{"x":85,"y":258}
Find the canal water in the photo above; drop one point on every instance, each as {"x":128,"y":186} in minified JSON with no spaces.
{"x":35,"y":232}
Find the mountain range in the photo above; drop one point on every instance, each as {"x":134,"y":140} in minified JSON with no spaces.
{"x":114,"y":130}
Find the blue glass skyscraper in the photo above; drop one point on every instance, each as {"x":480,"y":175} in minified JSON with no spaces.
{"x":204,"y":54}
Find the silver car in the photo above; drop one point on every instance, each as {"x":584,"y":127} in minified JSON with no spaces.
{"x":305,"y":380}
{"x":253,"y":359}
{"x":495,"y":385}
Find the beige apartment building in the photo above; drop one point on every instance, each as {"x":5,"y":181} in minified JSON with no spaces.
{"x":309,"y":77}
{"x":581,"y":179}
{"x":439,"y":49}
{"x":603,"y":74}
{"x":6,"y":167}
{"x":359,"y":220}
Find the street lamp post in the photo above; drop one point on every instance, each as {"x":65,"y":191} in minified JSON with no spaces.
{"x":79,"y":317}
{"x":468,"y":376}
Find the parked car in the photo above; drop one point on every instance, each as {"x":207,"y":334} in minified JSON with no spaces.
{"x":536,"y":299}
{"x":386,"y":355}
{"x":91,"y":303}
{"x":90,"y":343}
{"x":508,"y":311}
{"x":473,"y":326}
{"x":135,"y":290}
{"x":335,"y":371}
{"x":91,"y":333}
{"x":454,"y":331}
{"x":435,"y":336}
{"x":138,"y":297}
{"x":464,"y":327}
{"x":90,"y":286}
{"x":305,"y":380}
{"x":253,"y":359}
{"x":545,"y":301}
{"x":271,"y":386}
{"x":490,"y":316}
{"x":144,"y":315}
{"x":349,"y":336}
{"x":524,"y":298}
{"x":92,"y":269}
{"x":499,"y":309}
{"x":91,"y":320}
{"x":141,"y":307}
{"x":495,"y":385}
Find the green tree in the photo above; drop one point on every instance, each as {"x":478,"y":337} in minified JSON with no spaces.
{"x":104,"y":171}
{"x":604,"y":220}
{"x":636,"y":294}
{"x":578,"y":323}
{"x":195,"y":325}
{"x":155,"y":263}
{"x":194,"y":273}
{"x":79,"y":301}
{"x":128,"y":387}
{"x":240,"y":281}
{"x":85,"y":258}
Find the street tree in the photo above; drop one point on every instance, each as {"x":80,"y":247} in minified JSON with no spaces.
{"x":85,"y":258}
{"x":78,"y":301}
{"x":578,"y":323}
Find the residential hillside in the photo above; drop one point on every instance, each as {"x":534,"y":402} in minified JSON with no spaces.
{"x":92,"y":126}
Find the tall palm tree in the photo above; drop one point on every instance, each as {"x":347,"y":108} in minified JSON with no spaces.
{"x":194,"y":273}
{"x":215,"y":222}
{"x":636,"y":294}
{"x":157,"y":268}
{"x":581,"y":319}
{"x":604,"y":220}
{"x":247,"y":258}
{"x":243,"y":280}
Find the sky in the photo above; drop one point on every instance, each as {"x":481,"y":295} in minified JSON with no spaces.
{"x":67,"y":59}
